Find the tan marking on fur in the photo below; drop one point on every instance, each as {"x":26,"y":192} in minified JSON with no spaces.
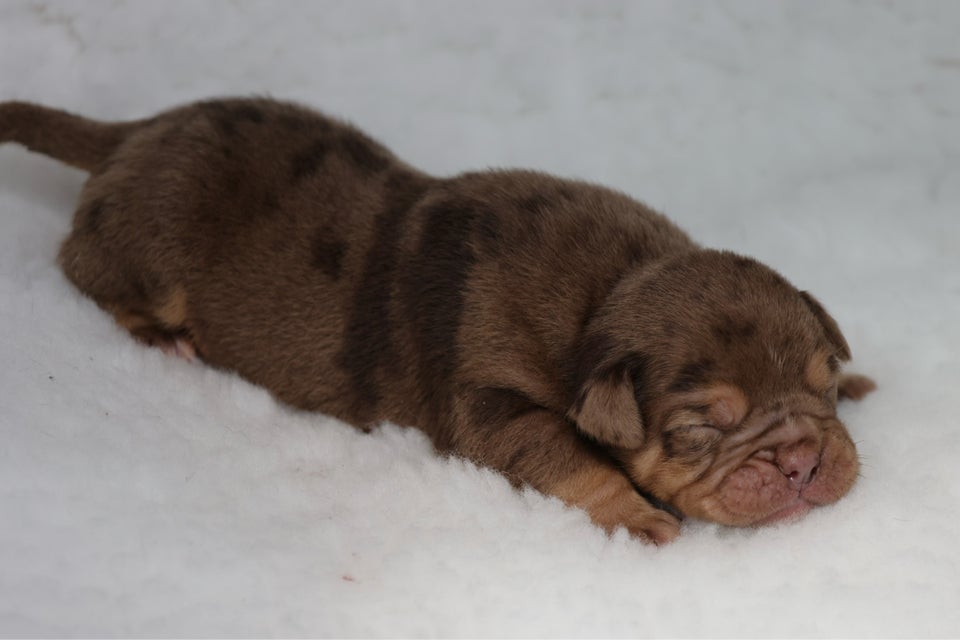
{"x":686,"y":417}
{"x":818,"y":374}
{"x":660,"y":475}
{"x":131,"y":321}
{"x":728,"y":404}
{"x":611,"y":502}
{"x":172,"y":312}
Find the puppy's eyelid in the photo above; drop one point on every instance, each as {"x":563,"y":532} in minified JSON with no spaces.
{"x":690,"y":427}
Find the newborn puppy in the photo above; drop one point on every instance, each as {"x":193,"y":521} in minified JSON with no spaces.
{"x":556,"y":331}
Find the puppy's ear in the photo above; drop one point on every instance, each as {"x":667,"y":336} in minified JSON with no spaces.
{"x":830,"y":327}
{"x":606,"y":406}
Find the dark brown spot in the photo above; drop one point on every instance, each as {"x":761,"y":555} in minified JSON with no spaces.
{"x":233,"y":181}
{"x":304,"y":123}
{"x":536,"y":203}
{"x":638,"y":367}
{"x":729,"y":331}
{"x":328,"y":252}
{"x":93,"y":216}
{"x":270,"y":201}
{"x":293,"y":121}
{"x":489,"y":239}
{"x":226,"y":115}
{"x":364,"y":152}
{"x":594,"y":351}
{"x":432,"y":285}
{"x":518,"y":457}
{"x":636,"y":253}
{"x":306,"y":161}
{"x":692,"y":375}
{"x":138,"y":285}
{"x":225,"y":123}
{"x":248,"y":112}
{"x":814,"y":391}
{"x":676,"y":268}
{"x":833,"y":364}
{"x":105,"y":166}
{"x":367,"y":340}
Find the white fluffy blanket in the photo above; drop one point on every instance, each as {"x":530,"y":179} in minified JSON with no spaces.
{"x":141,"y":495}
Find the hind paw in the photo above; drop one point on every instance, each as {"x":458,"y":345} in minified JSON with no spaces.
{"x":179,"y":347}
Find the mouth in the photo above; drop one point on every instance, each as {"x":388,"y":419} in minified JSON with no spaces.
{"x":794,"y":510}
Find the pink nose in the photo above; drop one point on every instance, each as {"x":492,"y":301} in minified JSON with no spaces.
{"x":799,"y":463}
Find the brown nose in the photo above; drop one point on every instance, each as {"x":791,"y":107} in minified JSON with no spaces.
{"x":799,"y":463}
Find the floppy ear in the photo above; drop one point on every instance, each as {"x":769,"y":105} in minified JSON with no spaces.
{"x":829,"y":326}
{"x":606,"y":407}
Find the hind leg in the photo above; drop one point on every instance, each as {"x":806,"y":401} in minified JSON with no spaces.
{"x":154,"y":314}
{"x":153,"y":332}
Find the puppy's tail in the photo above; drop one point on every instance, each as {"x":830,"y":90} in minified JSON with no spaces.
{"x":74,"y":140}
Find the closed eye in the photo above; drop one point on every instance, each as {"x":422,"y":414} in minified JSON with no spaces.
{"x":691,"y":439}
{"x":687,"y":428}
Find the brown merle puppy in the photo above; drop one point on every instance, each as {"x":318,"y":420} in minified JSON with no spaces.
{"x":559,"y":332}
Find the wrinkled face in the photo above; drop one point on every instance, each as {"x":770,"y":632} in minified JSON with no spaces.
{"x":715,"y":454}
{"x":721,"y":399}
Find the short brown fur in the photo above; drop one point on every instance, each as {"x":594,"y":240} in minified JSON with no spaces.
{"x":555,"y":330}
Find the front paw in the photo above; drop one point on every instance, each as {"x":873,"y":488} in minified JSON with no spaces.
{"x":611,"y":502}
{"x":657,"y":527}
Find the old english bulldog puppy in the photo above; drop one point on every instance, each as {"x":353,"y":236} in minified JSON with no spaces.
{"x":559,"y":332}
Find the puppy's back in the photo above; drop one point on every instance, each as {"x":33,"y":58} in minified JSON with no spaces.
{"x":299,"y":252}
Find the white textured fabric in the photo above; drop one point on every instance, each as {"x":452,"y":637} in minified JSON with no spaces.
{"x":141,"y":495}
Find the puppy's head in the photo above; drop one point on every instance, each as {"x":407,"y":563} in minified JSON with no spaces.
{"x":714,"y":382}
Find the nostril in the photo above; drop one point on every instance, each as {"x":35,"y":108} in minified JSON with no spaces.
{"x":800,"y":470}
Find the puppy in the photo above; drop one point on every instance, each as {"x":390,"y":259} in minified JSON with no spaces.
{"x":556,"y":331}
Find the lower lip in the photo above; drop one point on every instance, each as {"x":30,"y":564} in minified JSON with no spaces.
{"x":792,"y":511}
